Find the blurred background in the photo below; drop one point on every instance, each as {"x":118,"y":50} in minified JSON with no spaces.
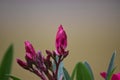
{"x":92,"y":26}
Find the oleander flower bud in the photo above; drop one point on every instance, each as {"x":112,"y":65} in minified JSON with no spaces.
{"x":61,"y":40}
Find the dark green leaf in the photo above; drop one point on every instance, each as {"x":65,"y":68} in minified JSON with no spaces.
{"x":82,"y":73}
{"x":111,"y":66}
{"x":73,"y":73}
{"x":5,"y":67}
{"x":12,"y":77}
{"x":66,"y":75}
{"x":89,"y":69}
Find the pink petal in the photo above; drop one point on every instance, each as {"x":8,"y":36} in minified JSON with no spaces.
{"x":29,"y":57}
{"x":61,"y":40}
{"x":116,"y":76}
{"x":103,"y":74}
{"x":29,"y":48}
{"x":22,"y":64}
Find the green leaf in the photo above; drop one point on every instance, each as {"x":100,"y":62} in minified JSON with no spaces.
{"x":53,"y":66}
{"x":60,"y":71}
{"x":110,"y":67}
{"x":73,"y":73}
{"x":12,"y":77}
{"x":53,"y":63}
{"x":90,"y":70}
{"x":111,"y":73}
{"x":82,"y":72}
{"x":66,"y":75}
{"x":60,"y":68}
{"x":6,"y":64}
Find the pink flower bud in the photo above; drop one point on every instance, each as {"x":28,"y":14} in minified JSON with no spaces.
{"x":116,"y":76}
{"x":48,"y":52}
{"x":29,"y":48}
{"x":22,"y":64}
{"x":103,"y":74}
{"x":61,"y":41}
{"x":28,"y":57}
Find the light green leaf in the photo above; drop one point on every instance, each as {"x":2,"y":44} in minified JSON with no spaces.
{"x":6,"y":64}
{"x":66,"y":75}
{"x":60,"y":71}
{"x":53,"y":66}
{"x":53,"y":63}
{"x":111,"y":73}
{"x":60,"y":68}
{"x":110,"y":67}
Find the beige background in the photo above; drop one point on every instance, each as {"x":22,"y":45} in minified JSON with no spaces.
{"x":92,"y":26}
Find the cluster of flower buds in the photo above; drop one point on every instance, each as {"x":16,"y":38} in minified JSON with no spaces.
{"x":43,"y":66}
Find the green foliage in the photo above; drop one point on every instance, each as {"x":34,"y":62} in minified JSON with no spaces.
{"x":82,"y":72}
{"x":66,"y":74}
{"x":73,"y":73}
{"x":6,"y":64}
{"x":60,"y":70}
{"x":111,"y":67}
{"x":12,"y":77}
{"x":89,"y":69}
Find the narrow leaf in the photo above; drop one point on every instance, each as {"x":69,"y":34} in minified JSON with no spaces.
{"x":53,"y":66}
{"x":60,"y":71}
{"x":53,"y":63}
{"x":73,"y":73}
{"x":111,"y":73}
{"x":5,"y":67}
{"x":12,"y":77}
{"x":89,"y":69}
{"x":66,"y":75}
{"x":111,"y":66}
